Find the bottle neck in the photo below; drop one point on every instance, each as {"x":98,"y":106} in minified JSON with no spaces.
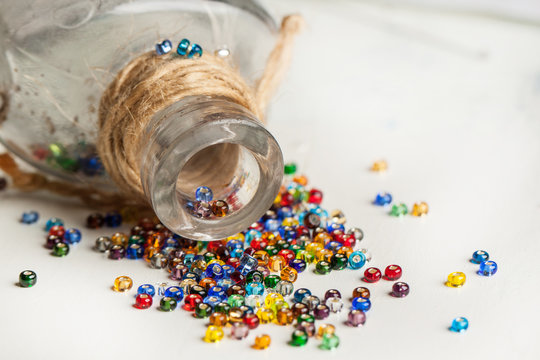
{"x":209,"y":141}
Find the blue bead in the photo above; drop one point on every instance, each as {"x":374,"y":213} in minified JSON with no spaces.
{"x":287,"y":232}
{"x":247,"y":263}
{"x":191,"y":275}
{"x":234,"y":244}
{"x":91,"y":166}
{"x":333,"y":245}
{"x":333,"y":226}
{"x":271,"y":225}
{"x":188,"y":259}
{"x":134,"y":252}
{"x":212,"y":300}
{"x":255,"y":288}
{"x":360,"y":303}
{"x":53,"y":222}
{"x":175,"y":292}
{"x":113,"y":219}
{"x":29,"y":217}
{"x":300,"y":294}
{"x":72,"y":236}
{"x":214,"y":271}
{"x":236,"y":253}
{"x":479,"y":256}
{"x":298,"y":264}
{"x":487,"y":268}
{"x":196,"y":51}
{"x":284,"y":212}
{"x":204,"y":194}
{"x":163,"y":48}
{"x":227,"y":270}
{"x":459,"y":324}
{"x":250,"y":235}
{"x":357,"y":259}
{"x":226,"y":283}
{"x":147,"y":289}
{"x":382,"y":199}
{"x":217,"y":291}
{"x":183,"y":47}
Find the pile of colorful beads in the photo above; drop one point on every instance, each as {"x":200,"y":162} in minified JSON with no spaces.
{"x":384,"y":199}
{"x":247,"y":280}
{"x":59,"y":239}
{"x":204,"y":206}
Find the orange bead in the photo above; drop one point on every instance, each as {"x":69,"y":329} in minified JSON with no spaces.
{"x":218,"y":319}
{"x":301,"y":179}
{"x":379,"y":165}
{"x":284,"y":316}
{"x":420,"y":209}
{"x":289,"y":274}
{"x":262,"y":342}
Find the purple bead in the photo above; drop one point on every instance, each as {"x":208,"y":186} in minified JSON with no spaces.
{"x":178,"y":272}
{"x":332,"y":293}
{"x":239,"y":330}
{"x":116,"y":252}
{"x":51,"y":241}
{"x":400,"y":289}
{"x":321,"y":312}
{"x":308,"y":327}
{"x":202,"y":209}
{"x":356,"y":318}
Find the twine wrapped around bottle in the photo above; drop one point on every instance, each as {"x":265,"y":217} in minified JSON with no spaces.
{"x":144,"y":86}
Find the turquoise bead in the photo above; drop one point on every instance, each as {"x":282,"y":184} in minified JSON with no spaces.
{"x":183,"y":47}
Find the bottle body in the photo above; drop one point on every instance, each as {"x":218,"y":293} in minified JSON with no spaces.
{"x":54,"y":69}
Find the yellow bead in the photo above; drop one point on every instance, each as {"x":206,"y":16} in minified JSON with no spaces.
{"x":321,"y":239}
{"x":456,"y":279}
{"x":345,"y":250}
{"x":238,"y":236}
{"x":262,"y":257}
{"x":276,"y":263}
{"x":324,"y":255}
{"x":379,"y":165}
{"x":149,"y":252}
{"x":235,"y":315}
{"x":270,"y":237}
{"x":278,"y":305}
{"x":218,"y":319}
{"x":271,"y":299}
{"x":122,"y":283}
{"x":289,"y":274}
{"x":119,"y":239}
{"x":420,"y":209}
{"x":289,"y":222}
{"x":304,"y":255}
{"x":325,"y":329}
{"x":313,"y":247}
{"x":213,"y":334}
{"x":216,"y":261}
{"x":265,"y":315}
{"x":262,"y":342}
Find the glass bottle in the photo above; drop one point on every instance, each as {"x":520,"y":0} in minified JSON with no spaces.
{"x":58,"y":56}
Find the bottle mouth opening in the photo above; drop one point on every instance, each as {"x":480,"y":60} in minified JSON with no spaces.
{"x":211,"y":142}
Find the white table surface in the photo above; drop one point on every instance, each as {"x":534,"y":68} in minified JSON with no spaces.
{"x":451,"y":101}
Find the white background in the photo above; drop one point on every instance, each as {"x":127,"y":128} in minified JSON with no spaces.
{"x":450,"y":100}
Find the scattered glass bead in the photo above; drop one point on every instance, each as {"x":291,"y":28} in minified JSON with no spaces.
{"x":164,"y":47}
{"x":175,"y":292}
{"x":357,"y":260}
{"x":60,"y":249}
{"x":146,"y":289}
{"x":220,"y":208}
{"x":372,"y":275}
{"x":392,"y":272}
{"x":300,"y":294}
{"x":53,"y":222}
{"x":400,"y":289}
{"x":255,"y":288}
{"x":379,"y":165}
{"x":325,"y":329}
{"x":265,"y":315}
{"x":134,"y":251}
{"x":195,"y":52}
{"x":335,"y":304}
{"x":27,"y":279}
{"x":222,"y":52}
{"x":479,"y":256}
{"x":143,"y":301}
{"x":284,"y":316}
{"x":299,"y":338}
{"x":323,"y":267}
{"x":72,"y":236}
{"x":113,"y":219}
{"x":191,"y":301}
{"x":329,"y":342}
{"x":57,"y":230}
{"x":289,"y":274}
{"x":420,"y":209}
{"x":252,"y":321}
{"x":459,"y":324}
{"x":456,"y":279}
{"x":382,"y":199}
{"x":321,"y":312}
{"x":239,"y":331}
{"x":51,"y":241}
{"x":122,"y":284}
{"x":95,"y":221}
{"x":290,"y":168}
{"x":117,"y":252}
{"x":183,"y":46}
{"x":285,"y":287}
{"x":356,"y":318}
{"x":361,"y":303}
{"x":29,"y":217}
{"x":488,"y":268}
{"x":262,"y":342}
{"x":218,"y":319}
{"x":203,"y":310}
{"x":158,"y":261}
{"x":204,"y":194}
{"x":213,"y":334}
{"x":399,"y":210}
{"x":168,"y":303}
{"x":311,"y":301}
{"x":361,"y":292}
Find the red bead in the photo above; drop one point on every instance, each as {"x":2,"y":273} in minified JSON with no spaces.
{"x":286,"y":199}
{"x":315,"y":196}
{"x":238,"y":278}
{"x":143,"y":301}
{"x":249,"y":251}
{"x":213,"y":246}
{"x":338,"y":235}
{"x":258,"y":244}
{"x":392,"y":272}
{"x":234,"y":262}
{"x":349,"y":240}
{"x":191,"y":301}
{"x":302,"y":230}
{"x":57,"y":230}
{"x":372,"y":275}
{"x":146,"y":223}
{"x":287,"y":254}
{"x":257,"y":226}
{"x":252,"y":321}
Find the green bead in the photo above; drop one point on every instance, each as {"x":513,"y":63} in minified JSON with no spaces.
{"x":339,"y":262}
{"x":296,"y":248}
{"x":271,"y":250}
{"x":57,"y":150}
{"x":290,"y":168}
{"x":203,"y":310}
{"x":399,"y":210}
{"x":305,"y":318}
{"x":223,"y":308}
{"x":236,"y":300}
{"x":136,"y":239}
{"x":67,"y":163}
{"x":61,"y":249}
{"x":27,"y":278}
{"x":254,"y":276}
{"x":299,"y":338}
{"x":271,"y":281}
{"x":323,"y":267}
{"x":209,"y":256}
{"x":329,"y":342}
{"x":167,"y":304}
{"x":282,"y":244}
